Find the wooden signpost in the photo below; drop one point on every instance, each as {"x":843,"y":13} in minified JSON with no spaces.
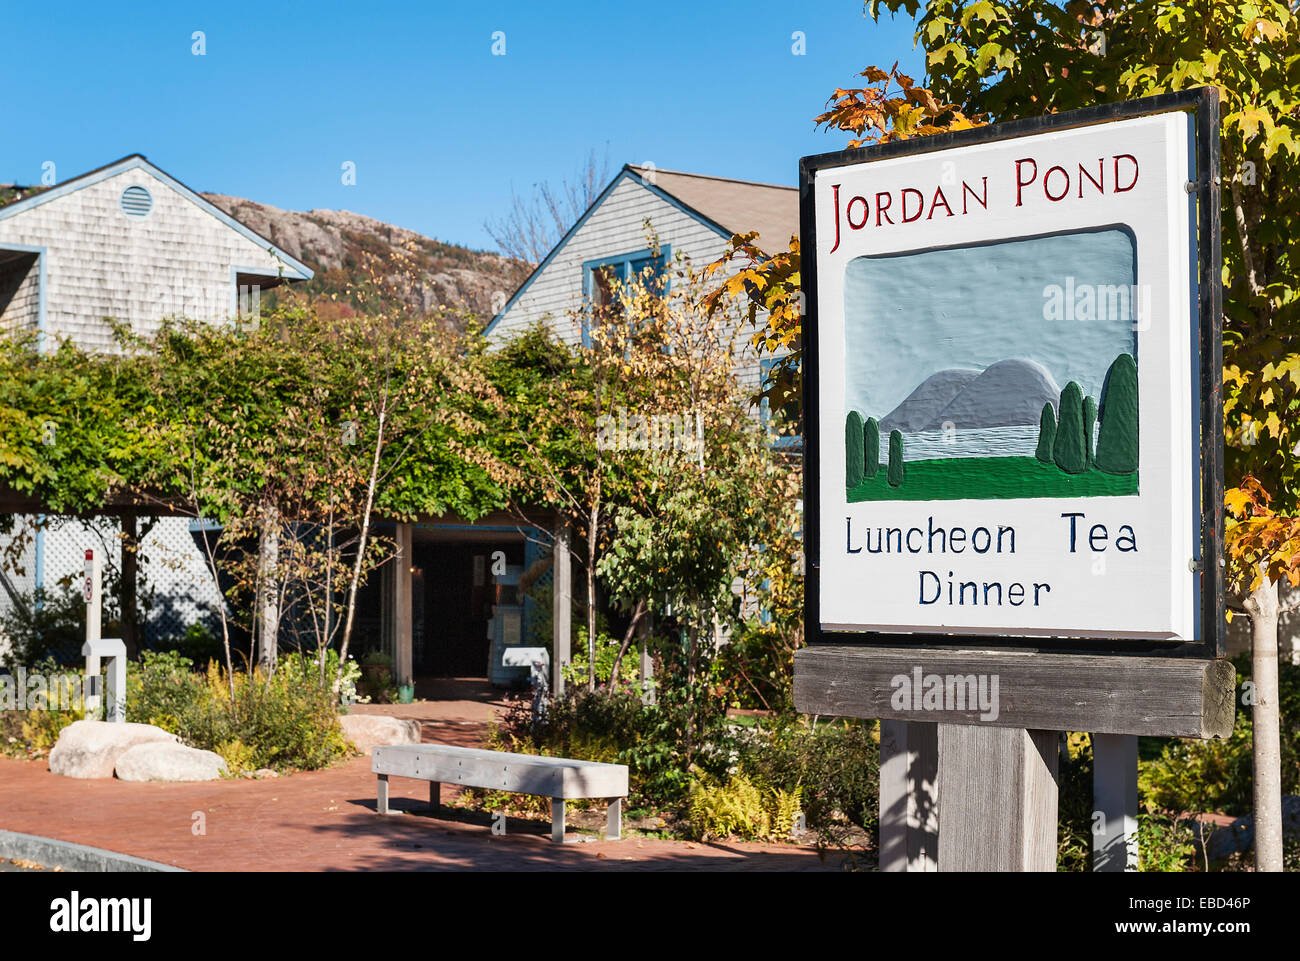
{"x":1014,"y":493}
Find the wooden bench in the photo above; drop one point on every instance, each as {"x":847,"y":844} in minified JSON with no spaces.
{"x":558,"y":778}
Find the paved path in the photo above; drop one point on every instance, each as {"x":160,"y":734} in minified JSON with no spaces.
{"x":326,"y":821}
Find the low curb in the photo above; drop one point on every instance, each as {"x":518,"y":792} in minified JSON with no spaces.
{"x":50,"y":853}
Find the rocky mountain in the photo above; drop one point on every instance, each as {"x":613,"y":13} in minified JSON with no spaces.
{"x":931,"y":396}
{"x":414,"y":272}
{"x":1006,"y":394}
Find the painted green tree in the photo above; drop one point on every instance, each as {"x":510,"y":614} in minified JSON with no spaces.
{"x":1046,"y":434}
{"x":871,"y":447}
{"x":1117,"y":437}
{"x":853,"y":436}
{"x":1069,"y":451}
{"x":896,"y":471}
{"x":1089,"y":427}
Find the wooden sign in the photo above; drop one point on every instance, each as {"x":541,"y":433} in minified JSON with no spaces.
{"x":1013,"y":412}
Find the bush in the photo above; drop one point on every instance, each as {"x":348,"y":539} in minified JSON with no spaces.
{"x":584,"y":725}
{"x":287,"y":721}
{"x":1165,"y":843}
{"x":615,"y":727}
{"x":835,"y":765}
{"x":1075,"y":806}
{"x":31,"y":733}
{"x":833,"y":769}
{"x":629,"y":670}
{"x":740,"y":808}
{"x":1192,"y":775}
{"x":377,"y":682}
{"x":199,"y":643}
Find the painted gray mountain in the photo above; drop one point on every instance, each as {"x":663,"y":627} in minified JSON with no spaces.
{"x":1009,"y":393}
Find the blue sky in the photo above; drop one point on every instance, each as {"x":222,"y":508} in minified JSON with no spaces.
{"x":438,"y":127}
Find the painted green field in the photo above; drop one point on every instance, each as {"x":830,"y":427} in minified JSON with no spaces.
{"x":985,"y":478}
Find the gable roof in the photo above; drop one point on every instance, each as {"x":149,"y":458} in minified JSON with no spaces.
{"x":294,"y":269}
{"x":722,"y":204}
{"x":738,"y":205}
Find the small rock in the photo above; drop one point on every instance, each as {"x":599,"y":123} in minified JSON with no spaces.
{"x":90,"y":749}
{"x":169,"y":762}
{"x":368,"y":730}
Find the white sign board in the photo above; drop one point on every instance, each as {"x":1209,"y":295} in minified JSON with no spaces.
{"x":1007,"y":386}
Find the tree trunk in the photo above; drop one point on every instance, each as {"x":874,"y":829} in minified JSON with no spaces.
{"x":371,"y":484}
{"x":591,"y":590}
{"x":268,"y":608}
{"x":130,"y":573}
{"x":627,"y":642}
{"x":1262,"y":606}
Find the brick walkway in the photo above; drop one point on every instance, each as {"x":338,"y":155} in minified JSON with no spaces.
{"x":326,"y":821}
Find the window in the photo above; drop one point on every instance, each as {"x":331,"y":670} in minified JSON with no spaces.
{"x":601,"y":280}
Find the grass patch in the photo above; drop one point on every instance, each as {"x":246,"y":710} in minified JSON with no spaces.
{"x":990,"y":478}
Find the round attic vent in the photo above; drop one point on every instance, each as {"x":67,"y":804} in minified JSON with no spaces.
{"x":136,"y":202}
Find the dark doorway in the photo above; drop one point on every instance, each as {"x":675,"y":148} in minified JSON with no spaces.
{"x":455,"y":628}
{"x":458,"y":593}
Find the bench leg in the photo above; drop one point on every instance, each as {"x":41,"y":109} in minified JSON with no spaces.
{"x":382,"y":805}
{"x":614,"y":820}
{"x":557,"y":820}
{"x":435,"y":796}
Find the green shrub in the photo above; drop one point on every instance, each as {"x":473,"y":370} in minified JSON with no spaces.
{"x":198,"y":642}
{"x":376,"y":683}
{"x":287,"y":721}
{"x":833,"y":770}
{"x":1192,"y":775}
{"x":1165,"y":843}
{"x":616,"y":727}
{"x":835,"y":765}
{"x":629,"y":670}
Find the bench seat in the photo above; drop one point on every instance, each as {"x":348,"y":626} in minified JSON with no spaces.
{"x":558,"y":778}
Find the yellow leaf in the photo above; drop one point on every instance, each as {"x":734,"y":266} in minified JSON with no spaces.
{"x":1236,"y":500}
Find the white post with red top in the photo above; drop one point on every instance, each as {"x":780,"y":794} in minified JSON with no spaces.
{"x":99,"y":648}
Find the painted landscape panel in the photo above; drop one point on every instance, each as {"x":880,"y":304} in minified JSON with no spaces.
{"x":1014,"y":377}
